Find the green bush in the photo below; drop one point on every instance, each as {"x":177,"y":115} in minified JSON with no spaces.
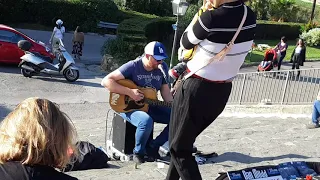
{"x":159,"y":29}
{"x":122,"y":51}
{"x":312,"y":37}
{"x":308,"y":26}
{"x":85,"y":13}
{"x":274,"y":30}
{"x":133,"y":34}
{"x":160,"y":8}
{"x":146,"y":28}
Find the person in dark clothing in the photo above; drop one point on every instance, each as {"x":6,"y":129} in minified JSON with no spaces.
{"x":282,"y":46}
{"x":298,"y":56}
{"x":35,"y":139}
{"x":201,"y":98}
{"x":16,"y":171}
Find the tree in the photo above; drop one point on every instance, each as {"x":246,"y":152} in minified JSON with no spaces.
{"x":260,"y":7}
{"x":313,"y":9}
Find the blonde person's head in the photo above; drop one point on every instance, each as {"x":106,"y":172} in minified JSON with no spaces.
{"x":36,"y":132}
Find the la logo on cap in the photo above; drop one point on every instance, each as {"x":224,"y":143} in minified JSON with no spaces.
{"x":160,"y":50}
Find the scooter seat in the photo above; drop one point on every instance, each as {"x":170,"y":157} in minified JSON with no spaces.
{"x":46,"y":58}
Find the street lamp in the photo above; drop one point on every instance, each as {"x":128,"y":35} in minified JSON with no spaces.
{"x":179,"y":8}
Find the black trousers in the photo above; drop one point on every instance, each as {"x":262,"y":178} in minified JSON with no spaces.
{"x":296,"y":63}
{"x":196,"y":105}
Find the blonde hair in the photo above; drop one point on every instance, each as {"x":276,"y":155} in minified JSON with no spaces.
{"x":36,"y":132}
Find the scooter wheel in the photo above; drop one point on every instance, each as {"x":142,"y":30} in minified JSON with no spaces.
{"x":71,"y":75}
{"x":26,"y":73}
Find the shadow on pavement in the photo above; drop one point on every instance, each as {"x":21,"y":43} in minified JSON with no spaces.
{"x":246,"y":159}
{"x":63,"y":80}
{"x":9,"y":68}
{"x":3,"y":112}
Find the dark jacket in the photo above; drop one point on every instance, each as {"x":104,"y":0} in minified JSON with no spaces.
{"x":17,"y":171}
{"x":301,"y":58}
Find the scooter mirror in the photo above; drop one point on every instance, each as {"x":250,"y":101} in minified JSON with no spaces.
{"x":24,"y":45}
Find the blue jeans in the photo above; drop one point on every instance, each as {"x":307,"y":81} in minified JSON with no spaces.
{"x":281,"y":59}
{"x":144,"y":123}
{"x":316,"y":112}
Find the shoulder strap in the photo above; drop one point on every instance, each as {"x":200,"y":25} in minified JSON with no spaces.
{"x":225,"y":50}
{"x":241,"y":24}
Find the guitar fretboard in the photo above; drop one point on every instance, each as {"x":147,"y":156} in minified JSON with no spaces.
{"x":158,"y":103}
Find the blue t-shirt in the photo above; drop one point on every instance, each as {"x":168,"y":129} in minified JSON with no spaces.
{"x":135,"y":71}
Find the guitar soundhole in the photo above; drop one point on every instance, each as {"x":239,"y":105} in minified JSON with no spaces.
{"x":131,"y":104}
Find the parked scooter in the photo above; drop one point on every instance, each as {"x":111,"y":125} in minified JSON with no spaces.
{"x":34,"y":63}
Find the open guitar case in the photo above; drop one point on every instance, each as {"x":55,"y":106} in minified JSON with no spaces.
{"x":315,"y":166}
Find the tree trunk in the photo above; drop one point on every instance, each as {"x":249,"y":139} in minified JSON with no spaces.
{"x":313,"y":9}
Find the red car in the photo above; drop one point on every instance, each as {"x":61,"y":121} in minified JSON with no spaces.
{"x":9,"y":51}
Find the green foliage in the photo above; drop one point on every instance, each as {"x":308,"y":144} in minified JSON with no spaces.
{"x":121,"y":50}
{"x":274,"y":30}
{"x":312,"y":37}
{"x":85,"y":13}
{"x":281,"y":10}
{"x":308,"y":26}
{"x":260,"y":7}
{"x":187,"y":18}
{"x":133,"y":34}
{"x":160,"y":8}
{"x":159,"y":29}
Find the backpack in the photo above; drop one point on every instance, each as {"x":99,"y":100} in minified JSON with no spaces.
{"x":90,"y":157}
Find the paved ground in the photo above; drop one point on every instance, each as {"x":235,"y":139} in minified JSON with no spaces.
{"x":240,"y":142}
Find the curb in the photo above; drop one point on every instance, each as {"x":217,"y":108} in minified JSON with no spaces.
{"x":96,"y":34}
{"x":250,"y":64}
{"x":282,"y":111}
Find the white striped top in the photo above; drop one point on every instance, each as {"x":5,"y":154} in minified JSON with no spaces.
{"x":213,"y":30}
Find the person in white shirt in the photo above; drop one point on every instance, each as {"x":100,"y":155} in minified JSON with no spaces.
{"x":57,"y":34}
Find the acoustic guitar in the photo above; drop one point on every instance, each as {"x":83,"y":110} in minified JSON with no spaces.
{"x":123,"y":103}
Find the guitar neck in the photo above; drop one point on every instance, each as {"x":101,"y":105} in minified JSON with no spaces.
{"x":157,"y":103}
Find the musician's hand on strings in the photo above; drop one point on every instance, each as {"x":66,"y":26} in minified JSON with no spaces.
{"x":136,"y":94}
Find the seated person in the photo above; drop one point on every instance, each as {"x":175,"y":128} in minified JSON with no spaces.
{"x":34,"y":140}
{"x":315,"y":114}
{"x":144,"y":72}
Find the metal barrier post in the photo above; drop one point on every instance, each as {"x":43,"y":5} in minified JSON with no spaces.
{"x":285,"y":87}
{"x":242,"y":87}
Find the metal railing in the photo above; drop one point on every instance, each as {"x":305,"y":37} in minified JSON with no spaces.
{"x":276,"y":87}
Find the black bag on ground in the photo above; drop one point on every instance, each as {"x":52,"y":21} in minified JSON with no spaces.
{"x":90,"y":157}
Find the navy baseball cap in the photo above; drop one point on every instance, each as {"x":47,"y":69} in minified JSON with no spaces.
{"x":156,"y":49}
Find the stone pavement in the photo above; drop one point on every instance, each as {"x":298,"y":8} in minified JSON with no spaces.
{"x":240,"y":143}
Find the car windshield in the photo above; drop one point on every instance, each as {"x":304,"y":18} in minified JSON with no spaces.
{"x":27,"y":36}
